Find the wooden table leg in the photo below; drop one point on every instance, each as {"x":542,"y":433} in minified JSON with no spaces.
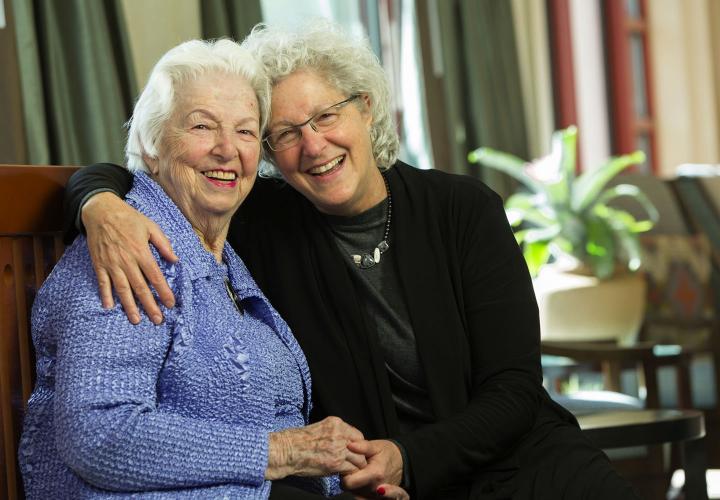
{"x":695,"y":464}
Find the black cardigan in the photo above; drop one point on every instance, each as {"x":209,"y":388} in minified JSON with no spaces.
{"x":471,"y":305}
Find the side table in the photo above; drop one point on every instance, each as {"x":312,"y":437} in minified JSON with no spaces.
{"x":625,"y":428}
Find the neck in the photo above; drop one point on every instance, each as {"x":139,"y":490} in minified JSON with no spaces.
{"x":371,"y":195}
{"x":212,"y":235}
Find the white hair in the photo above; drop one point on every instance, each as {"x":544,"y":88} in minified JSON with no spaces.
{"x":185,"y":62}
{"x":347,"y":63}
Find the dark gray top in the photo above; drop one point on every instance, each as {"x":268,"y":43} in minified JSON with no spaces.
{"x":379,"y":289}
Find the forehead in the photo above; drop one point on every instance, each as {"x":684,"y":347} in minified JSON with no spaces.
{"x":302,"y":94}
{"x":230,"y":94}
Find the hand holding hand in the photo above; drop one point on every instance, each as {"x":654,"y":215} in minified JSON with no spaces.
{"x":315,"y":450}
{"x":117,"y":237}
{"x":384,"y":467}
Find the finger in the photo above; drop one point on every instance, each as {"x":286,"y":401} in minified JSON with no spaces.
{"x":367,"y":448}
{"x":142,"y":292}
{"x":124,"y":292}
{"x":362,"y":478}
{"x":162,"y":243}
{"x":152,"y":272}
{"x":105,"y":287}
{"x":357,"y":459}
{"x":392,"y":491}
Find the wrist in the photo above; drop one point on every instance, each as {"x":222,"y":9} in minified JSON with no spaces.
{"x":91,"y":202}
{"x":278,"y":456}
{"x":405,"y":467}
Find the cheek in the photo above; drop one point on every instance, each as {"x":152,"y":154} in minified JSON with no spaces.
{"x":250,"y":158}
{"x":193,"y":152}
{"x":286,"y":161}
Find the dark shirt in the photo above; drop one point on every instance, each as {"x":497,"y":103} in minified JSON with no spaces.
{"x":379,"y":291}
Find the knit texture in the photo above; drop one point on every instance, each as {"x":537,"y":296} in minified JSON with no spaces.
{"x":179,"y":410}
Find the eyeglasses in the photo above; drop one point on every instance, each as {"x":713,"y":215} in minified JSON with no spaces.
{"x":323,"y":121}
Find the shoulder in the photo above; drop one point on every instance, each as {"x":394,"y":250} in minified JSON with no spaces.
{"x":443,"y":190}
{"x":269,"y":195}
{"x":72,"y":284}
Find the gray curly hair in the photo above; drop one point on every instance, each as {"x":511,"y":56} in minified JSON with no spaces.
{"x":184,"y":62}
{"x":348,"y":63}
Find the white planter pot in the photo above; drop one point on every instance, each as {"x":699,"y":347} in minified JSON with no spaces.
{"x":583,"y":308}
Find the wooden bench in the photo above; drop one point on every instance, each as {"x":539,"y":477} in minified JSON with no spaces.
{"x":30,"y":244}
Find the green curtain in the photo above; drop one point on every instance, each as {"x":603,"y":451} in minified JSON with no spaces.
{"x":482,"y":83}
{"x":229,"y":18}
{"x":77,"y":79}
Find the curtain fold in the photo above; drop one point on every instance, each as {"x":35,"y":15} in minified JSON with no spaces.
{"x":535,"y":73}
{"x":77,"y":78}
{"x":229,"y":18}
{"x":481,"y":83}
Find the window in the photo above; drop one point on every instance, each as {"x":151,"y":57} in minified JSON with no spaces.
{"x":632,"y":120}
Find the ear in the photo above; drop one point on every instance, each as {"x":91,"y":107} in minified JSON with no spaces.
{"x":367,"y":107}
{"x":152,"y":163}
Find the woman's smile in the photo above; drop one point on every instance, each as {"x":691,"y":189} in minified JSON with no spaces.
{"x":221,"y":178}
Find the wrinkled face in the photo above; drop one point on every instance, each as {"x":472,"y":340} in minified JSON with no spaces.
{"x":210,"y":148}
{"x":334,"y":169}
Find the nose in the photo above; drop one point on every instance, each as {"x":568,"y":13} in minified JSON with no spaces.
{"x":224,"y":148}
{"x":313,"y":142}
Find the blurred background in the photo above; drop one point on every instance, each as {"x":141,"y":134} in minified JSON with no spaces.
{"x":631,"y":74}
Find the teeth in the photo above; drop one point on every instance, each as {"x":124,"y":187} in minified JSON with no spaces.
{"x":220,"y":175}
{"x":324,"y":168}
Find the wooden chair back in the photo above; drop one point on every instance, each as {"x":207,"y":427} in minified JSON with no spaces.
{"x":31,"y":199}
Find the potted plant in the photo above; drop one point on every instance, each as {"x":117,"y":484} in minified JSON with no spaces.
{"x":568,"y":219}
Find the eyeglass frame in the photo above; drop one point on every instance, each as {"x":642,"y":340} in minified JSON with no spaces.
{"x":310,"y":121}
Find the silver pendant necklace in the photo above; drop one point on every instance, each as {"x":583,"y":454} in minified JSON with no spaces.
{"x":366,"y":260}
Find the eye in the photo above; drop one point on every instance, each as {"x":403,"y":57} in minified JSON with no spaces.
{"x":285,"y":135}
{"x":200,"y":126}
{"x":326,"y":117}
{"x":247,"y":132}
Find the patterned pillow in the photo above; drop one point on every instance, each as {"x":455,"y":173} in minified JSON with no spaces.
{"x":678,"y":270}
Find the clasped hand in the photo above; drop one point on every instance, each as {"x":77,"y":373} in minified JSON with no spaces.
{"x":381,"y":477}
{"x":369,"y":469}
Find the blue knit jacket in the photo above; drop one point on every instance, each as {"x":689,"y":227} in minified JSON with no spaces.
{"x":179,"y":410}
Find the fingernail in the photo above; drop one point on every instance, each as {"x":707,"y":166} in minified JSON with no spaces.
{"x":380,"y":491}
{"x":157,"y":319}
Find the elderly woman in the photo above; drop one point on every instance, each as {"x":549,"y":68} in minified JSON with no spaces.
{"x":212,"y":402}
{"x":405,"y":288}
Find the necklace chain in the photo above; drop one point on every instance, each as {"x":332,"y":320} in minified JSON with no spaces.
{"x":366,"y":261}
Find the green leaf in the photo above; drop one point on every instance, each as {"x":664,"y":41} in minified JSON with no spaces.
{"x":588,"y":186}
{"x":536,"y":255}
{"x":532,"y":215}
{"x":600,"y":247}
{"x":545,"y":234}
{"x":630,"y":245}
{"x":506,"y":163}
{"x":568,"y":139}
{"x":634,"y":192}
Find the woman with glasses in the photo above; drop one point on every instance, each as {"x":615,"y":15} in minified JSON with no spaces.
{"x":405,"y":288}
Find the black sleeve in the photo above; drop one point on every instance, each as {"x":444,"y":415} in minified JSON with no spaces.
{"x":95,"y":178}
